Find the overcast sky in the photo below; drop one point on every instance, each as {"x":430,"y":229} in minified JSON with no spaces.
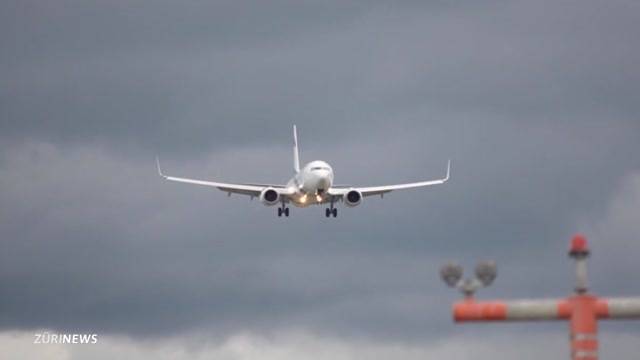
{"x":535,"y":102}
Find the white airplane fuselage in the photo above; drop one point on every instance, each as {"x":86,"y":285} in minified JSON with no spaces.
{"x":311,"y":184}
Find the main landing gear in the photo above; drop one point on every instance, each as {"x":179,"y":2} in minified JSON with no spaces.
{"x":328,"y":212}
{"x":283,"y":210}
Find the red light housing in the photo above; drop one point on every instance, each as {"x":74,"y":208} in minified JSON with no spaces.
{"x":579,"y":245}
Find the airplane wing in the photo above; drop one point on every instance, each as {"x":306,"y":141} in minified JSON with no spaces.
{"x":265,"y":185}
{"x":379,"y":190}
{"x":244,"y":189}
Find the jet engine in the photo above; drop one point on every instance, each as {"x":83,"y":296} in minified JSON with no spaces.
{"x":269,"y":196}
{"x":353,"y":198}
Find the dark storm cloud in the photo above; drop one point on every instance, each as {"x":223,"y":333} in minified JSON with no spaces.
{"x":118,"y":72}
{"x":536,"y":103}
{"x":185,"y":76}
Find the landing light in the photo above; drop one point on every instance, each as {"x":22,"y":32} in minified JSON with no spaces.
{"x":303,"y":199}
{"x":318,"y":198}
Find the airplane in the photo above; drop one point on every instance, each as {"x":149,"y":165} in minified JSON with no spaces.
{"x":311,"y":185}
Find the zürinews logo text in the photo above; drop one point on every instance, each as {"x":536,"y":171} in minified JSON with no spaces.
{"x":46,"y":337}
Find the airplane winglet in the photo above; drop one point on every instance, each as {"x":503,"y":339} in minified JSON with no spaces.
{"x":159,"y":170}
{"x":448,"y":170}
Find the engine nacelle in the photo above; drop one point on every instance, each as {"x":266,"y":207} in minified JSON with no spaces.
{"x":352,"y":198}
{"x":269,"y":196}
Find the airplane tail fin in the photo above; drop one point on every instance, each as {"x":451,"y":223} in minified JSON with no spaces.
{"x":296,"y":155}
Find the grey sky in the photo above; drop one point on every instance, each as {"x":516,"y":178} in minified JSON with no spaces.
{"x":536,"y":103}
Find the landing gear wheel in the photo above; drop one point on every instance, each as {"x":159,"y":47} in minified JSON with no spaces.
{"x":327,"y":212}
{"x":286,"y":212}
{"x":334,"y":211}
{"x":279,"y":212}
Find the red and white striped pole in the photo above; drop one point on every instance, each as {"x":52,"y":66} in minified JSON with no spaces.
{"x":583,"y":310}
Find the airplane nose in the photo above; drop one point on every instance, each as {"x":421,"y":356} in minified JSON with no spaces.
{"x":323,"y":181}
